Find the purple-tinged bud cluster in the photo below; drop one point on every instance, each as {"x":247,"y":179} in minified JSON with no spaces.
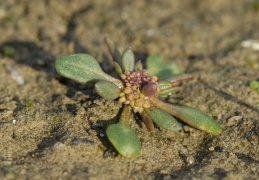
{"x":131,"y":94}
{"x":139,"y":78}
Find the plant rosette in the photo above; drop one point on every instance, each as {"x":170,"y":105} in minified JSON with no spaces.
{"x":138,"y":91}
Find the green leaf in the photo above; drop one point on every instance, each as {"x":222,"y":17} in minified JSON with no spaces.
{"x":8,"y":50}
{"x":82,"y":68}
{"x":163,"y":119}
{"x":157,"y":66}
{"x":254,"y":85}
{"x":163,"y":85}
{"x":191,"y":116}
{"x":138,"y":66}
{"x":107,"y":90}
{"x":116,"y":56}
{"x":117,"y":68}
{"x":128,"y":60}
{"x":197,"y":119}
{"x":167,"y":92}
{"x":124,"y":139}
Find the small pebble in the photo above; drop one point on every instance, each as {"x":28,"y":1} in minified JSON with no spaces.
{"x":14,"y":74}
{"x":190,"y":160}
{"x":233,"y":120}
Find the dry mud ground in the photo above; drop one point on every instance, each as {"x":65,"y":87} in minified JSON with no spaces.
{"x":53,"y":128}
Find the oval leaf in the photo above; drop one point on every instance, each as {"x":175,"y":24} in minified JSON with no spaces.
{"x":197,"y":119}
{"x":191,"y":116}
{"x":124,"y":139}
{"x":107,"y":90}
{"x":117,"y":68}
{"x":163,"y":119}
{"x":157,"y":66}
{"x":138,"y":66}
{"x":163,"y":85}
{"x":82,"y":68}
{"x":116,"y":56}
{"x":128,"y":60}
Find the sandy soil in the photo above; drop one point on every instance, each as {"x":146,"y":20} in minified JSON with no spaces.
{"x":53,"y":128}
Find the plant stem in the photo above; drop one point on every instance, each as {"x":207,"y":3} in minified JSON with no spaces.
{"x":125,"y":115}
{"x":117,"y":82}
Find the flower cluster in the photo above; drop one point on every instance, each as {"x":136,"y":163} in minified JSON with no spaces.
{"x":131,"y":93}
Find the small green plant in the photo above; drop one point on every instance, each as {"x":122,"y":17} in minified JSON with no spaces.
{"x":8,"y":51}
{"x":254,"y":85}
{"x":138,"y":91}
{"x":27,"y":103}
